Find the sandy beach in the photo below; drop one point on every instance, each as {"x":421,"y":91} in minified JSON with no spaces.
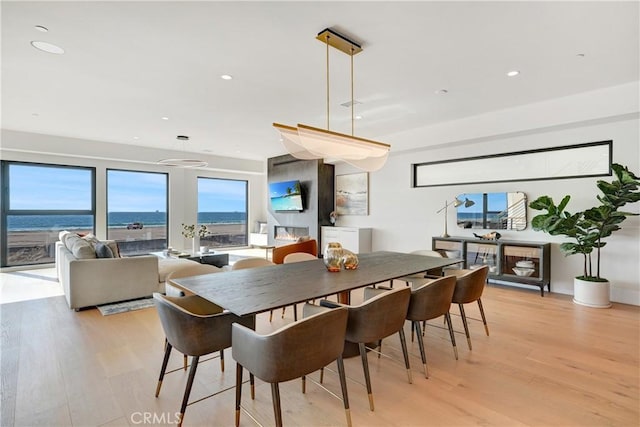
{"x":35,"y":247}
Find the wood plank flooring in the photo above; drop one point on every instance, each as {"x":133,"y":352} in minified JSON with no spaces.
{"x":547,"y":362}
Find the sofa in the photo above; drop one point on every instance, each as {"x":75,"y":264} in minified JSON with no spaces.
{"x":95,"y":281}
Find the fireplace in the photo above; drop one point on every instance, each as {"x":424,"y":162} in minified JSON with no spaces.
{"x":284,"y":235}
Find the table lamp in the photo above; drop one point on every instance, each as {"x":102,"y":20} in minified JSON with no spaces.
{"x":455,"y":202}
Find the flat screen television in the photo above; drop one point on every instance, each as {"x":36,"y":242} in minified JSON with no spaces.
{"x":286,"y":196}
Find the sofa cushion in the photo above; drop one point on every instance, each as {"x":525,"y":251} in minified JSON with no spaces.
{"x":79,"y":247}
{"x":103,"y":251}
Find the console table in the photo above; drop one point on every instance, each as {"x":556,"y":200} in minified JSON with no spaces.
{"x":501,"y":256}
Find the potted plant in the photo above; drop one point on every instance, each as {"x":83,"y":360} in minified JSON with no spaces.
{"x":189,"y":231}
{"x":588,"y":229}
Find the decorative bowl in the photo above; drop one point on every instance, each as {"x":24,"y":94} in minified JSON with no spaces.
{"x":521,"y":271}
{"x":524,"y":264}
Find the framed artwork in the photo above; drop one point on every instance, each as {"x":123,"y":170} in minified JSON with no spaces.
{"x":352,"y":194}
{"x":568,"y":161}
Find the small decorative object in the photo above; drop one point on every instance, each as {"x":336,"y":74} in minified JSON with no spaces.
{"x":332,"y":256}
{"x":349,"y":260}
{"x":204,"y":249}
{"x":333,"y":217}
{"x":189,"y":230}
{"x":494,"y":235}
{"x":523,"y":271}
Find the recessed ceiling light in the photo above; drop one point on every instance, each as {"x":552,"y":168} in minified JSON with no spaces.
{"x":136,"y":137}
{"x":513,"y":73}
{"x":226,"y":77}
{"x":358,"y":117}
{"x":47,"y":47}
{"x":41,"y":29}
{"x":182,"y":138}
{"x":581,"y":55}
{"x":441,"y":91}
{"x":35,"y":115}
{"x":165,"y":118}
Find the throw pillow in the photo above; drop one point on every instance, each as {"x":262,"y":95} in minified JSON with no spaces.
{"x":80,"y":248}
{"x":103,"y":251}
{"x":93,"y":240}
{"x":113,"y":245}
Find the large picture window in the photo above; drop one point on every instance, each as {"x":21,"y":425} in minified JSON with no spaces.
{"x":137,"y":210}
{"x":38,"y":201}
{"x":222,"y":208}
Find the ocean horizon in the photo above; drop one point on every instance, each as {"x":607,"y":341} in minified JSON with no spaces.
{"x":115,"y":220}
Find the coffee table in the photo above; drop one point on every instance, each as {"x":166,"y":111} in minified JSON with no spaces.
{"x":211,"y":258}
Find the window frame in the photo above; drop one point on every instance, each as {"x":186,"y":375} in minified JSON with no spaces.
{"x":6,"y":211}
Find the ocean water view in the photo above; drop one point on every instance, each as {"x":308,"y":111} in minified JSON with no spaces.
{"x":116,"y":220}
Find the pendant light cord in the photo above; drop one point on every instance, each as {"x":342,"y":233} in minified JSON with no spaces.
{"x":352,"y":101}
{"x":327,"y":42}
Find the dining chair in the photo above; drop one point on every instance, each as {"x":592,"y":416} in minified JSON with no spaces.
{"x":290,"y":352}
{"x":173,"y":290}
{"x":195,"y":327}
{"x":469,"y":287}
{"x":382,"y":314}
{"x":296,"y":257}
{"x":431,"y":301}
{"x":308,"y":246}
{"x":419,"y":279}
{"x":253,"y":262}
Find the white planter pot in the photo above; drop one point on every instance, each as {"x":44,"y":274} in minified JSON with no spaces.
{"x":591,"y":294}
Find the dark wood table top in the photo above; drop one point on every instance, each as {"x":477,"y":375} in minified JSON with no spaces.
{"x":256,"y":290}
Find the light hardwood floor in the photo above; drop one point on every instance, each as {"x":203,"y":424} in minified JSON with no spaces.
{"x":547,"y":362}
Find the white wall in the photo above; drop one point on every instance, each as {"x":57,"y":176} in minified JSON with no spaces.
{"x":405,"y":219}
{"x":183,"y":197}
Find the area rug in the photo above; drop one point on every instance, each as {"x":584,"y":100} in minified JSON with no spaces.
{"x":123,"y":307}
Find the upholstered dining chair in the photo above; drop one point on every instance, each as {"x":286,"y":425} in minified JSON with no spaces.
{"x":290,"y":352}
{"x":308,"y":246}
{"x":253,"y":262}
{"x":382,"y":314}
{"x":469,"y":287}
{"x":296,"y":257}
{"x":173,"y":290}
{"x":194,"y":327}
{"x":419,"y":279}
{"x":431,"y":301}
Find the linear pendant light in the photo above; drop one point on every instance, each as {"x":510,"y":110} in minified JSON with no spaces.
{"x":307,"y":142}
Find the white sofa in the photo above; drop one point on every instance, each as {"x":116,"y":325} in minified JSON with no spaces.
{"x":90,"y":282}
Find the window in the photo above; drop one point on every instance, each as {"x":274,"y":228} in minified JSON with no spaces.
{"x":137,"y":210}
{"x":222,"y":208}
{"x":38,"y":201}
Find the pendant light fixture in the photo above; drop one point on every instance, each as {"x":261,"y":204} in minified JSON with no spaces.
{"x":307,"y":142}
{"x":183,"y":162}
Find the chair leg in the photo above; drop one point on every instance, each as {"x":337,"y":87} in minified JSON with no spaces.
{"x":423,"y":356}
{"x":295,"y":312}
{"x":447,"y":317}
{"x":187,"y":391}
{"x":484,"y":319}
{"x":270,"y":315}
{"x":365,"y":368}
{"x":185,"y":362}
{"x":222,"y":360}
{"x":167,"y":353}
{"x":304,"y":384}
{"x":283,"y":310}
{"x":413,"y":330}
{"x":252,"y":383}
{"x":238,"y":392}
{"x":321,"y":375}
{"x":343,"y":386}
{"x":405,"y":352}
{"x":466,"y":326}
{"x":275,"y":395}
{"x":379,"y":349}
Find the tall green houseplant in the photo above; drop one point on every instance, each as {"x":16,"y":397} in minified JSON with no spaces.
{"x":589,"y":228}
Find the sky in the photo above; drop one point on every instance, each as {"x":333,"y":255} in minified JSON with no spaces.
{"x":34,"y":187}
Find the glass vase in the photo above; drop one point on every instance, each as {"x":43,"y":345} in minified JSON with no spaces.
{"x":332,"y":256}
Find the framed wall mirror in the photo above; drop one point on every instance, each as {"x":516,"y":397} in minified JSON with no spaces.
{"x":494,"y":211}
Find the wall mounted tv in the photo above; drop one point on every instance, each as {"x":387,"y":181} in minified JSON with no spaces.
{"x":286,"y":196}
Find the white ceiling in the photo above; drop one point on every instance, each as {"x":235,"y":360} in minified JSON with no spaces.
{"x":127,"y":64}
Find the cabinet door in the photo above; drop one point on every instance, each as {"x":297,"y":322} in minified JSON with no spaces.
{"x":350,"y":239}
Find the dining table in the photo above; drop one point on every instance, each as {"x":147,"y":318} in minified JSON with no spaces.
{"x":257,"y":290}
